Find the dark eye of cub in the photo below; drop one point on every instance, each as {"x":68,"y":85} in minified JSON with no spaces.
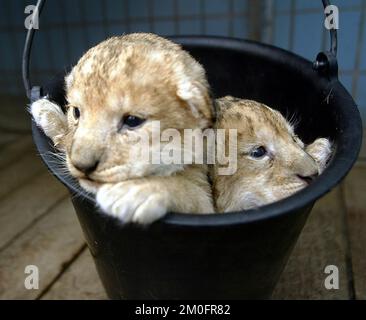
{"x":76,"y":113}
{"x":131,"y":122}
{"x":258,"y":152}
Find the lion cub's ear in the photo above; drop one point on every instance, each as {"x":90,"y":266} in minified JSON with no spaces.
{"x":69,"y":79}
{"x":196,"y":95}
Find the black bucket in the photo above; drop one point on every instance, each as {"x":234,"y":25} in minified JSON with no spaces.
{"x":234,"y":255}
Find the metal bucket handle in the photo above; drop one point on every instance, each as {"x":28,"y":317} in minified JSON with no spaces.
{"x":325,"y":63}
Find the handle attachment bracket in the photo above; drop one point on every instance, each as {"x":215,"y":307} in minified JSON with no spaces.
{"x":326,"y":62}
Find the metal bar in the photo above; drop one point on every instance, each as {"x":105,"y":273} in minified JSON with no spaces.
{"x":13,"y":45}
{"x":255,"y":19}
{"x":127,"y":21}
{"x":65,"y":30}
{"x":268,"y":21}
{"x":291,"y":38}
{"x":351,"y":72}
{"x":323,"y":45}
{"x":357,"y":66}
{"x":104,"y":17}
{"x":203,"y":16}
{"x":275,"y":16}
{"x":231,"y":18}
{"x":13,"y":37}
{"x":47,"y":42}
{"x":176,"y":17}
{"x":151,"y":18}
{"x":83,"y":23}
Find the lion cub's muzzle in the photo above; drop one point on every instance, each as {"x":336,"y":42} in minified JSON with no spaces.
{"x":85,"y":156}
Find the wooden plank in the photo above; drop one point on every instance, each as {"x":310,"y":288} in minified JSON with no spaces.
{"x":16,"y":174}
{"x":7,"y":138}
{"x":14,"y":116}
{"x":49,"y":244}
{"x":354,"y":190}
{"x":79,"y":282}
{"x":322,"y":243}
{"x":362,"y":155}
{"x":16,"y":150}
{"x":16,"y":213}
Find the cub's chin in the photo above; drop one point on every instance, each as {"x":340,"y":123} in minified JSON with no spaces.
{"x":89,"y":185}
{"x":288,"y":190}
{"x":253,"y":200}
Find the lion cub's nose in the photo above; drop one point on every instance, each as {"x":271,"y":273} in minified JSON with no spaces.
{"x":86,"y":168}
{"x":308,"y":179}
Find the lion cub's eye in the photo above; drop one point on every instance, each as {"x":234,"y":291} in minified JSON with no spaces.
{"x":76,"y":113}
{"x":258,"y":152}
{"x":130,"y":122}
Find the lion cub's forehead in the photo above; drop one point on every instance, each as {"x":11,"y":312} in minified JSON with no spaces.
{"x":106,"y":65}
{"x":253,"y":119}
{"x":121,"y":63}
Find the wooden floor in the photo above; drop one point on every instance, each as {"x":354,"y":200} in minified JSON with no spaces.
{"x":39,"y":227}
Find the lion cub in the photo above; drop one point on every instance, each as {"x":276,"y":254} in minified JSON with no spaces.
{"x":115,"y":94}
{"x":272,"y":162}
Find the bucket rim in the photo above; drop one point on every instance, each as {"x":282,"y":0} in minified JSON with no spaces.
{"x":341,"y":163}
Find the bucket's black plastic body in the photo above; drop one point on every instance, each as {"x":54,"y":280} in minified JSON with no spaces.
{"x":235,"y":255}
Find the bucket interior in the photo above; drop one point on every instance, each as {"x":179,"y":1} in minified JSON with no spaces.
{"x":283,"y":81}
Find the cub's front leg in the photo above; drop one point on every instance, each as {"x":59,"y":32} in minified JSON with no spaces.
{"x":49,"y":116}
{"x":146,"y":200}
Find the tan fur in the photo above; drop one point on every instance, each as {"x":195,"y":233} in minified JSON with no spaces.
{"x":146,"y":76}
{"x":275,"y":176}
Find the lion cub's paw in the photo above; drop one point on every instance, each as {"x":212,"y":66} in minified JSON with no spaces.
{"x":50,"y":118}
{"x":133,"y":201}
{"x":320,"y":150}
